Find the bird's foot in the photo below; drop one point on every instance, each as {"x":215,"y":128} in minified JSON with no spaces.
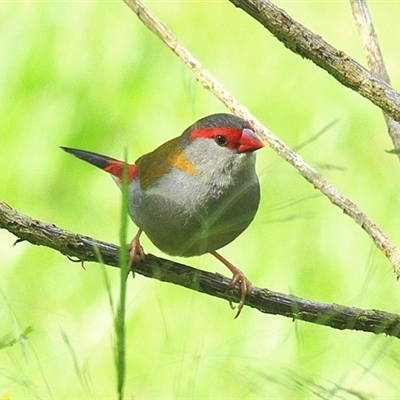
{"x":245,"y":288}
{"x":136,"y":252}
{"x":238,"y":278}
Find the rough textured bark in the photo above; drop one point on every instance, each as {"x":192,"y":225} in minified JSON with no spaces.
{"x":307,"y":44}
{"x":84,"y":249}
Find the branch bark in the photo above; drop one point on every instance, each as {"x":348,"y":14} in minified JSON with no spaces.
{"x":84,"y":248}
{"x":307,"y":44}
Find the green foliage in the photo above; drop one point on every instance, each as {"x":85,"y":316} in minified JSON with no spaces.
{"x":89,"y":75}
{"x":11,"y":339}
{"x":393,"y":151}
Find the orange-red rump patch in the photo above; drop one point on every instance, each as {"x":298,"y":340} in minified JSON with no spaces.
{"x":116,"y":168}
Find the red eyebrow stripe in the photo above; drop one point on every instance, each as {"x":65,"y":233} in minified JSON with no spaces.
{"x":233,"y":134}
{"x":211,"y":132}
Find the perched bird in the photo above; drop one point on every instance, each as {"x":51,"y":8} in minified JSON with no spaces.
{"x":195,"y":193}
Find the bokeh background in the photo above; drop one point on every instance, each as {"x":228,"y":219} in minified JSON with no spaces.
{"x":90,"y":75}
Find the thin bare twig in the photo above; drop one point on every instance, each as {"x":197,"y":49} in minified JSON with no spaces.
{"x":84,"y":248}
{"x":374,"y":56}
{"x":308,"y":172}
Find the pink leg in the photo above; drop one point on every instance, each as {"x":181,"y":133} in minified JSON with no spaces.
{"x":238,"y":277}
{"x":136,"y":252}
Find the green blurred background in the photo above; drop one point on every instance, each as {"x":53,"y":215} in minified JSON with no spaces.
{"x":90,"y":75}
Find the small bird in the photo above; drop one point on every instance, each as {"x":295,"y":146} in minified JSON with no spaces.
{"x":195,"y":193}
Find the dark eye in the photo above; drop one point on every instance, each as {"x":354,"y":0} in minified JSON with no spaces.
{"x":221,"y":140}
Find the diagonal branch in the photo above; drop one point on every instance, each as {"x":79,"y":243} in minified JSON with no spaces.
{"x":374,"y":56}
{"x":307,"y":44}
{"x":85,"y":248}
{"x":309,"y":173}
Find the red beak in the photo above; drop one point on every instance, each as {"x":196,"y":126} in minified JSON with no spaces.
{"x":249,"y":141}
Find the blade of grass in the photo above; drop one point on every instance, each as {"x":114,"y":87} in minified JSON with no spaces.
{"x":105,"y":277}
{"x":120,"y":349}
{"x":80,"y":372}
